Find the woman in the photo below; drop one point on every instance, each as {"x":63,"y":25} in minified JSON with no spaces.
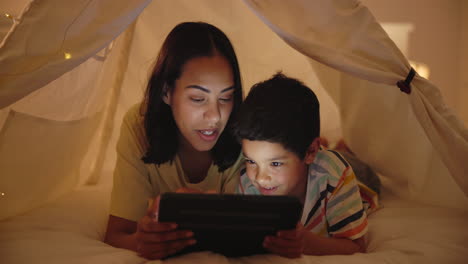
{"x":176,"y":138}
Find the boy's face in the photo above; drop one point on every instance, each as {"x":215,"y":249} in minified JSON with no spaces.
{"x":275,"y":170}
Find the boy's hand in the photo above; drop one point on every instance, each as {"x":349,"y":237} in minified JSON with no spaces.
{"x":286,"y":243}
{"x":156,"y":240}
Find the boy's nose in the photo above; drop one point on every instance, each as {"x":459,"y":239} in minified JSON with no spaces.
{"x":262,"y":177}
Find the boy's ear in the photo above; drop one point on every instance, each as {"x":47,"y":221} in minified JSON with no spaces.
{"x":166,"y":95}
{"x":312,"y":150}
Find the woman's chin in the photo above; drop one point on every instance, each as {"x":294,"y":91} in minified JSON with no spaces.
{"x":204,"y":146}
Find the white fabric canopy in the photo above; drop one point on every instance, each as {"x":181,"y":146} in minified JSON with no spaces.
{"x":345,"y":36}
{"x":62,"y":135}
{"x":52,"y":37}
{"x":31,"y":57}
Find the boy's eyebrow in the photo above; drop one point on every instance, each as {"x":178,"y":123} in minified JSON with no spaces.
{"x":274,"y":158}
{"x":278,"y":158}
{"x":206,"y":90}
{"x":245,"y":156}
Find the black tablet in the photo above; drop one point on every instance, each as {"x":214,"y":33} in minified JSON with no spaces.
{"x":230,"y":224}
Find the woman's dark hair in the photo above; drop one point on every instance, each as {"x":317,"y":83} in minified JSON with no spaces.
{"x":280,"y":110}
{"x":186,"y":41}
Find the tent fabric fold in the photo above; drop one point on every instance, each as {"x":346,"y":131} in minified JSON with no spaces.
{"x":64,"y":34}
{"x":344,"y":35}
{"x":53,"y":37}
{"x":48,"y":151}
{"x":69,"y":71}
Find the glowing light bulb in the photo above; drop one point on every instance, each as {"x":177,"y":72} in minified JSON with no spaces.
{"x":8,"y":15}
{"x":67,"y":55}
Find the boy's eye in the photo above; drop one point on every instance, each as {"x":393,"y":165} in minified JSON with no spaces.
{"x":276,"y":164}
{"x":249,"y":161}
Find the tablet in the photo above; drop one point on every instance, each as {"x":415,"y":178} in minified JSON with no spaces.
{"x":230,"y":224}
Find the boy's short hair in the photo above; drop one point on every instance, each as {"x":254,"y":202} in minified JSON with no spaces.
{"x":280,"y":110}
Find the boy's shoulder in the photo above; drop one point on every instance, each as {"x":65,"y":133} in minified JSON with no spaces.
{"x":245,"y":185}
{"x":328,"y":163}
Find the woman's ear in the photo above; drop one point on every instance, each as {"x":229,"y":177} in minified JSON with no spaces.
{"x":312,"y":150}
{"x":166,"y":95}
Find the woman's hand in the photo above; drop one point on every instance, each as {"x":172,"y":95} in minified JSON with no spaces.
{"x":191,"y":190}
{"x":157,"y":240}
{"x":188,"y":190}
{"x":287,"y":243}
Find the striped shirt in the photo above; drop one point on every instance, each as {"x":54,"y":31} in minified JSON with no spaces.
{"x":334,"y":204}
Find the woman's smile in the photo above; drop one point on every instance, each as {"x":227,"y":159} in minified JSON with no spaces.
{"x":208,"y":135}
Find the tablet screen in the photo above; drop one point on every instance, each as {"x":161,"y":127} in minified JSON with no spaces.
{"x":230,"y":224}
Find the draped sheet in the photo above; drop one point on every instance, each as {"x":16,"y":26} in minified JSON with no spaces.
{"x":344,"y":35}
{"x":36,"y":163}
{"x":400,"y":233}
{"x":52,"y":37}
{"x":66,"y":124}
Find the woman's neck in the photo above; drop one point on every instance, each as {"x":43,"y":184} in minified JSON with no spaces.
{"x":195,"y":163}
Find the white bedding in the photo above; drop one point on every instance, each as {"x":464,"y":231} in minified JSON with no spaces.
{"x":70,"y":230}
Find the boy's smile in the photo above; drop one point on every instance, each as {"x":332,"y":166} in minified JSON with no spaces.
{"x":275,"y":170}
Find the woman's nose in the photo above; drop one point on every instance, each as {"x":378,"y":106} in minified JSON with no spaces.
{"x":212,"y":113}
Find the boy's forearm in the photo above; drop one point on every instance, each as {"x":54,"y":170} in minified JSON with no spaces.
{"x":317,"y":245}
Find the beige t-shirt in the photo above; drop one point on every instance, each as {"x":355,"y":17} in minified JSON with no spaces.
{"x":135,"y":182}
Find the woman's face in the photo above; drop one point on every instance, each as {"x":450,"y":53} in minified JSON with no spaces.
{"x":202,"y":101}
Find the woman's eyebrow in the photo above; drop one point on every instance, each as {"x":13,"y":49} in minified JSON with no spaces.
{"x":199,"y":88}
{"x":227,"y":89}
{"x":207,"y":90}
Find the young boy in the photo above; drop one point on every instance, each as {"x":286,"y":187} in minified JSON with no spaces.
{"x":279,"y":128}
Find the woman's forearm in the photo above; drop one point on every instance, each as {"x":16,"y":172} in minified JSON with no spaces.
{"x":317,"y":245}
{"x":121,"y":240}
{"x":121,"y":233}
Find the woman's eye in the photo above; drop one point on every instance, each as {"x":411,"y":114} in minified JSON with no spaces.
{"x":226,"y":99}
{"x":196,"y":99}
{"x":276,"y":164}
